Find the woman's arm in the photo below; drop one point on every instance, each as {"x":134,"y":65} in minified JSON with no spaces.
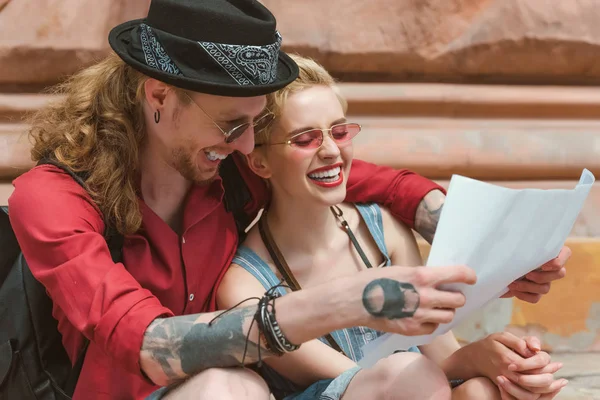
{"x":312,"y":362}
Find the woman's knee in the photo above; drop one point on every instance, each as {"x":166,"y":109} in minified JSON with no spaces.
{"x":480,"y":388}
{"x":413,"y":375}
{"x":222,"y":384}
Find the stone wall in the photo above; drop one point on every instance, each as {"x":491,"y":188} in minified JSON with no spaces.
{"x":504,"y":41}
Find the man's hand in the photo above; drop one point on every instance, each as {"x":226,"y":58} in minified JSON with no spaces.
{"x":535,"y":284}
{"x":408,"y":301}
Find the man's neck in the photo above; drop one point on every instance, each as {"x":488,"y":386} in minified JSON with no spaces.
{"x":163,"y":189}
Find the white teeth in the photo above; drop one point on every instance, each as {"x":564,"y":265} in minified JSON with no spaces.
{"x":330,"y":173}
{"x":214,"y":156}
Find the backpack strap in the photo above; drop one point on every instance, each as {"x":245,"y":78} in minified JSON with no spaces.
{"x":237,"y":194}
{"x":114,"y":240}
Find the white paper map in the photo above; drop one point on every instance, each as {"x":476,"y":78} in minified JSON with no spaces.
{"x":502,"y":234}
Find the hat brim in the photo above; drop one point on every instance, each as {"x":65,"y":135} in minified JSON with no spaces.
{"x":287,"y":70}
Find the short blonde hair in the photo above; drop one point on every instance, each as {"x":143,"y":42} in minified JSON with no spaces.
{"x":311,"y":74}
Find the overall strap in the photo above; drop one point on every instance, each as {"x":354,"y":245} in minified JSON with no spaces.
{"x":337,"y":212}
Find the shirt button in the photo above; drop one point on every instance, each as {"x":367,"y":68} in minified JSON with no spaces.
{"x":369,"y":336}
{"x":192,"y":297}
{"x":182,"y":240}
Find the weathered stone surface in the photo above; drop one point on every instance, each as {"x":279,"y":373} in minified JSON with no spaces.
{"x":493,"y":149}
{"x":566,"y":319}
{"x":14,"y":150}
{"x":532,"y":41}
{"x":42,"y":41}
{"x":452,"y":40}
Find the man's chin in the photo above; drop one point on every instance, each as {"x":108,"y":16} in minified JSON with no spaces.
{"x":204,"y":178}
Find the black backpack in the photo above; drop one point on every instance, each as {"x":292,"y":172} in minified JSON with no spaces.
{"x":33,"y":361}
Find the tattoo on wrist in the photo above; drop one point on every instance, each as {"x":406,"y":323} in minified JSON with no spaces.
{"x":185,"y":345}
{"x":387,"y":298}
{"x":428,"y":214}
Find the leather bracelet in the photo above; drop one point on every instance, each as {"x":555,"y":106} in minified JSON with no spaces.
{"x":268,"y":326}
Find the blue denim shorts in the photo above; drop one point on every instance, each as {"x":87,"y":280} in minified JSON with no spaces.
{"x":327,"y":389}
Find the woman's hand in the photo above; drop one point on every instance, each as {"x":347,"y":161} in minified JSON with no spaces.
{"x":517,"y":365}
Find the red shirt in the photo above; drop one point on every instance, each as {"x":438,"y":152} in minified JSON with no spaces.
{"x":60,"y":231}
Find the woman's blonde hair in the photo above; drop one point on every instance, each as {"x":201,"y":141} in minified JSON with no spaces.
{"x":97,"y":128}
{"x":311,"y":74}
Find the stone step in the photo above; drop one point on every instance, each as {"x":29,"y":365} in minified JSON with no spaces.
{"x":421,"y":99}
{"x":469,"y":101}
{"x":488,"y":149}
{"x":14,"y":150}
{"x":14,"y":107}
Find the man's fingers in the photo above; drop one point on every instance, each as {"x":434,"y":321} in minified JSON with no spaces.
{"x":542,"y":277}
{"x":451,"y":274}
{"x":435,"y":316}
{"x":532,"y":298}
{"x":433,"y":298}
{"x":515,"y":390}
{"x":540,"y":360}
{"x":525,"y":285}
{"x":558,"y":262}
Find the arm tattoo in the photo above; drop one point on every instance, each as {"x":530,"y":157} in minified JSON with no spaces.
{"x":428,"y":214}
{"x":387,"y":298}
{"x":185,"y":345}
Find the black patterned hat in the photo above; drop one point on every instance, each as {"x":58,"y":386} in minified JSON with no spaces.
{"x":221,"y":47}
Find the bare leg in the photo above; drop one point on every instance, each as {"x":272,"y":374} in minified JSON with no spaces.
{"x":402,"y":376}
{"x":222,"y":384}
{"x":476,"y":389}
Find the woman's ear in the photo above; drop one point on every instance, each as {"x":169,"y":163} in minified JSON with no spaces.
{"x":258,"y":163}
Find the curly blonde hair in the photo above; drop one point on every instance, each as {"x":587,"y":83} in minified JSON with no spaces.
{"x":97,"y":128}
{"x":311,"y":74}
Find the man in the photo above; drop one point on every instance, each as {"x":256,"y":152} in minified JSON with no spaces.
{"x":150,"y":129}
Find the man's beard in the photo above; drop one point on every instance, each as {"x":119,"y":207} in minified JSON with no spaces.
{"x":184,"y":163}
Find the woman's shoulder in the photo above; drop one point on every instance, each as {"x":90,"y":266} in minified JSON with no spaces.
{"x":254,"y":244}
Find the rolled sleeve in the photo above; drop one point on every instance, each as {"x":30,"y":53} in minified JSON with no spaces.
{"x":60,"y":231}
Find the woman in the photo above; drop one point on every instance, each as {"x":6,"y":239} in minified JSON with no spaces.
{"x":308,"y":236}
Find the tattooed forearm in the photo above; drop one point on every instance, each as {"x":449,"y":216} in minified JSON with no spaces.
{"x":428,"y":214}
{"x":179,"y":347}
{"x":387,"y":298}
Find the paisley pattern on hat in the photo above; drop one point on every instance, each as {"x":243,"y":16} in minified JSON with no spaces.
{"x":154,"y":54}
{"x":247,"y":65}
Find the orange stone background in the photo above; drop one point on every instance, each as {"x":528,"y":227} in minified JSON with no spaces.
{"x":499,"y":90}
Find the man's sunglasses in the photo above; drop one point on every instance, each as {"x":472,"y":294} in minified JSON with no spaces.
{"x":234,"y":133}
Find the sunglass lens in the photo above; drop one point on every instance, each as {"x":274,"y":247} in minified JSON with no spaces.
{"x":236,"y":133}
{"x":308,"y":139}
{"x":344,"y":132}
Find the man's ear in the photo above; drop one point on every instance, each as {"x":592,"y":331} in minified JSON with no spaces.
{"x":156,"y":92}
{"x":258,"y":163}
